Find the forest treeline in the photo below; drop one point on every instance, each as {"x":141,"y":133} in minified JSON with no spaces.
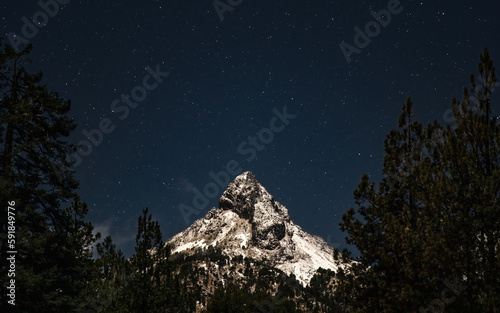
{"x":428,"y":233}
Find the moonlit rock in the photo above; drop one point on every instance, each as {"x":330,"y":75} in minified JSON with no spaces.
{"x":250,"y":223}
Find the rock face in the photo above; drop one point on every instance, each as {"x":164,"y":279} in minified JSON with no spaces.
{"x":241,"y":195}
{"x":247,"y":198}
{"x":250,"y":223}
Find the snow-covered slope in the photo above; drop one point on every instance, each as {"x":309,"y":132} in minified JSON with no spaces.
{"x":250,"y":223}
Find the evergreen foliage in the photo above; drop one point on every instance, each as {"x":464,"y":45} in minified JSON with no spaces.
{"x":428,"y":234}
{"x":143,"y":283}
{"x":52,"y":239}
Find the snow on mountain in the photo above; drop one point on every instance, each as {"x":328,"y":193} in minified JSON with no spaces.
{"x":250,"y":223}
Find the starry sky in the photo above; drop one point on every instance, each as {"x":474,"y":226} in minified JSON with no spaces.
{"x":172,"y":91}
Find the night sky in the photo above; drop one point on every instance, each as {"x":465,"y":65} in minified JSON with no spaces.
{"x":180,"y":90}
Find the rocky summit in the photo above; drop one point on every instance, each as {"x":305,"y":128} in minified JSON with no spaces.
{"x":249,"y":223}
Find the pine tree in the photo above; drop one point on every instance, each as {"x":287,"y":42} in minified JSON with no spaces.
{"x":149,"y":264}
{"x":428,"y":236}
{"x":146,"y":282}
{"x":108,"y":288}
{"x":52,"y":238}
{"x":471,"y":155}
{"x":387,"y":273}
{"x":153,"y":286}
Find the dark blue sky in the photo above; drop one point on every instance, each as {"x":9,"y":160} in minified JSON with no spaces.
{"x":225,"y":82}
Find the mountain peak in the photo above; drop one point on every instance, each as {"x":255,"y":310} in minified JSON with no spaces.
{"x":246,"y":197}
{"x":251,"y":223}
{"x":242,"y":194}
